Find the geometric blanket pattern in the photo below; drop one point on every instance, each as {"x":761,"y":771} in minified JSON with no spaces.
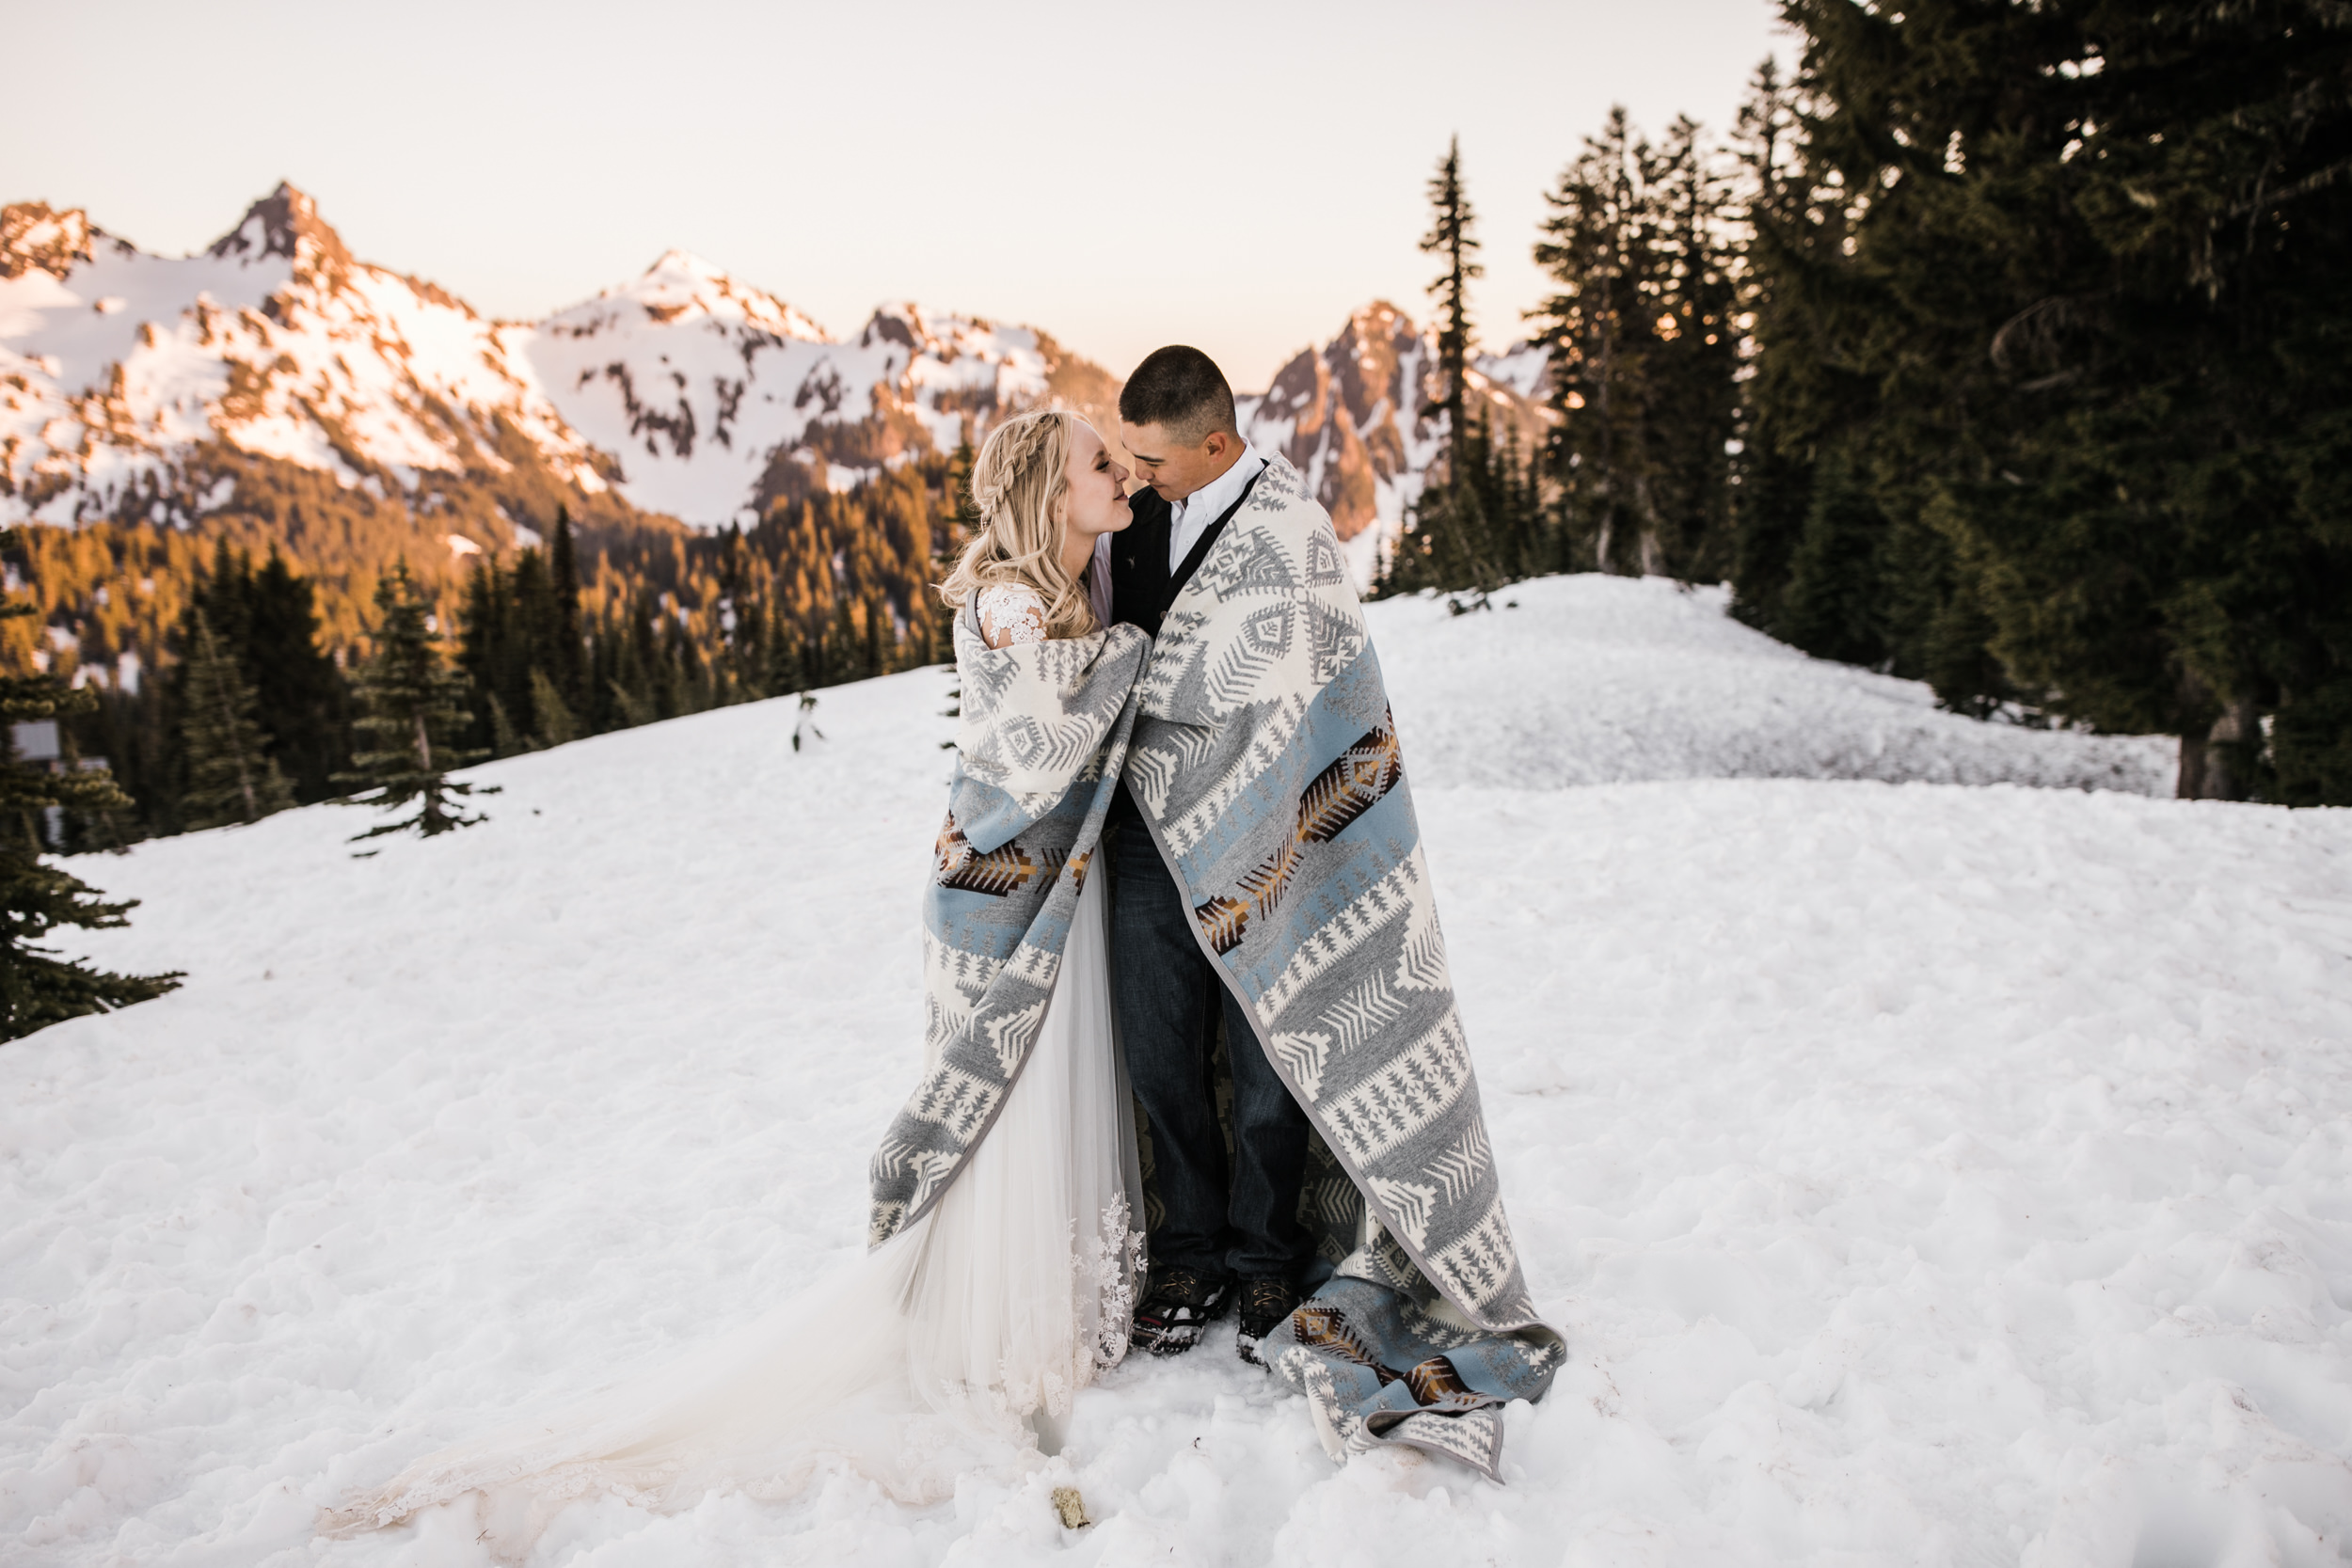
{"x":1042,"y":732}
{"x":1266,"y":762}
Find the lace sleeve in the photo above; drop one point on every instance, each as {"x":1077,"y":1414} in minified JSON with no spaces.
{"x":1012,"y":613}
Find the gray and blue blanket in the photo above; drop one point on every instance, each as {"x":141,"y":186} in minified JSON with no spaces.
{"x":1266,"y":761}
{"x":1259,"y":744}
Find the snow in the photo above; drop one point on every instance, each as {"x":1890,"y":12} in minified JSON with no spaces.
{"x":1643,"y":680}
{"x":1522,"y":368}
{"x":1923,"y":1173}
{"x":90,"y":321}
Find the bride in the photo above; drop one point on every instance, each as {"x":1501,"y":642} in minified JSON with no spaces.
{"x":1007,"y":1251}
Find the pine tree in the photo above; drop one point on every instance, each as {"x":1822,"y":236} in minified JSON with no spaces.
{"x":1452,"y":234}
{"x":301,"y":700}
{"x":1835,"y":602}
{"x":566,"y":665}
{"x":2066,"y":281}
{"x":410,"y":713}
{"x":1457,"y":553}
{"x":1694,"y":391}
{"x":232,"y":776}
{"x":1646,"y":352}
{"x":550,"y":715}
{"x":36,"y":987}
{"x":1596,"y":247}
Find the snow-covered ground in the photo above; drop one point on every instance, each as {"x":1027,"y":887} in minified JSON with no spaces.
{"x":1606,"y":680}
{"x":1922,"y":1174}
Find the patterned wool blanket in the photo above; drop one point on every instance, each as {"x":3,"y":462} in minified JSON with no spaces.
{"x":1042,"y":731}
{"x":1267,"y":764}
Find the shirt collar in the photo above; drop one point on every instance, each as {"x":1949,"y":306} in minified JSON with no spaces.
{"x":1212,"y":498}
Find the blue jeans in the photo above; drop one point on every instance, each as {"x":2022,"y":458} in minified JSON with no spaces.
{"x":1242,"y":1220}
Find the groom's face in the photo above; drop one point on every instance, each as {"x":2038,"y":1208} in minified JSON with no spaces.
{"x":1176,"y":468}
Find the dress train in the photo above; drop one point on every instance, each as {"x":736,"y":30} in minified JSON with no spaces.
{"x":947,"y":1350}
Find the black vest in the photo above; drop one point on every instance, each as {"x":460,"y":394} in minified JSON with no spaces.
{"x":1142,"y":587}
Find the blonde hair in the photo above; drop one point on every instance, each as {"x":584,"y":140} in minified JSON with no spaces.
{"x":1019,"y":484}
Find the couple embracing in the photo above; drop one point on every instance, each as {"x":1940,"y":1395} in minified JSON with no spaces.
{"x":1178,"y":872}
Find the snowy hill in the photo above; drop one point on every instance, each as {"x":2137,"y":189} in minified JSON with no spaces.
{"x":1613,"y":680}
{"x":1920,"y":1173}
{"x":691,"y":394}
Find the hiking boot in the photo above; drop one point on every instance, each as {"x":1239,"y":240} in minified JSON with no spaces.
{"x":1179,"y":1307}
{"x":1264,"y":1303}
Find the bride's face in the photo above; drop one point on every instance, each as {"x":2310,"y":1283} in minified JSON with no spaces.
{"x":1096,"y":501}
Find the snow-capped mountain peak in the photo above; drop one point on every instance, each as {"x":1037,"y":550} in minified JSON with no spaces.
{"x":680,"y":286}
{"x":1354,"y":417}
{"x":285,"y":223}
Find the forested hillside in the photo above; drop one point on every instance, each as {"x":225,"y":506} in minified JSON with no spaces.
{"x":2002,"y":347}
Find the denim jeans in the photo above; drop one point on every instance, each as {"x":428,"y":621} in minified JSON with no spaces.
{"x":1242,"y":1220}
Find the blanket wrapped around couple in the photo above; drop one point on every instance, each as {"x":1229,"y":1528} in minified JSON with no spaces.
{"x":1259,"y":745}
{"x":1267,"y":764}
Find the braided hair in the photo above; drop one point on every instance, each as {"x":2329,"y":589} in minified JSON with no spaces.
{"x":1019,"y":485}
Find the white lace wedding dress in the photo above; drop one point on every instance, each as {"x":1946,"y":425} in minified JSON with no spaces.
{"x":957,"y":1345}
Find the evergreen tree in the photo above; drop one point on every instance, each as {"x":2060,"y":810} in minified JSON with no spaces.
{"x":1452,"y":235}
{"x":1694,"y":391}
{"x":36,"y":987}
{"x":1600,"y":329}
{"x":232,"y":777}
{"x":1773,"y":474}
{"x":549,"y":712}
{"x":2066,"y":283}
{"x":566,"y":664}
{"x":301,"y":700}
{"x":1646,"y":352}
{"x":1454,"y":538}
{"x":410,"y":713}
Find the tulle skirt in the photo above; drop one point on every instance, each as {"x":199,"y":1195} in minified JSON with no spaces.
{"x":955,"y":1346}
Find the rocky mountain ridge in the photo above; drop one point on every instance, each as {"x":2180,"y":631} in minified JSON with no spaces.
{"x":132,"y":387}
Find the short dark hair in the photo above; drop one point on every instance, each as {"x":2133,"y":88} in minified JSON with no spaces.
{"x":1182,"y":390}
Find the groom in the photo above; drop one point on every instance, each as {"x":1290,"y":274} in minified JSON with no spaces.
{"x":1231,"y":1227}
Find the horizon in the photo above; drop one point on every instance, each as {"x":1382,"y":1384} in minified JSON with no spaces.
{"x":475,"y":169}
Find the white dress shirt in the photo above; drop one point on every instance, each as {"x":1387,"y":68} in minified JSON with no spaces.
{"x":1189,"y":518}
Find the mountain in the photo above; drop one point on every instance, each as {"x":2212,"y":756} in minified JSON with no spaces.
{"x":715,"y":398}
{"x":274,"y":393}
{"x":1353,"y":417}
{"x":118,"y":369}
{"x":684,"y":392}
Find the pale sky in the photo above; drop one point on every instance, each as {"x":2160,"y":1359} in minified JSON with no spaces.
{"x":1235,"y":176}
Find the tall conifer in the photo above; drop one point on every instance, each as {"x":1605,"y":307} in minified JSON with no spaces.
{"x":1450,"y":546}
{"x":567,"y":666}
{"x":301,"y":700}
